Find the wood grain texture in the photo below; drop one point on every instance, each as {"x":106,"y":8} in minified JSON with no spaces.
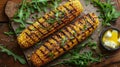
{"x":7,"y":61}
{"x":3,"y":17}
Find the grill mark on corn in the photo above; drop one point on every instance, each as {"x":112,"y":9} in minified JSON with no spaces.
{"x":54,"y":17}
{"x":55,"y":25}
{"x":44,"y":21}
{"x":37,"y":36}
{"x":42,"y":26}
{"x":61,"y":19}
{"x":53,"y":45}
{"x":63,"y":31}
{"x":28,"y":43}
{"x":65,"y":15}
{"x":55,"y":39}
{"x":44,"y":17}
{"x":45,"y":55}
{"x":68,"y":29}
{"x":47,"y":47}
{"x":80,"y":28}
{"x":70,"y":11}
{"x":59,"y":42}
{"x":62,"y":39}
{"x":72,"y":28}
{"x":80,"y":21}
{"x":86,"y":21}
{"x":69,"y":32}
{"x":69,"y":40}
{"x":39,"y":57}
{"x":29,"y":36}
{"x":73,"y":7}
{"x":91,"y":18}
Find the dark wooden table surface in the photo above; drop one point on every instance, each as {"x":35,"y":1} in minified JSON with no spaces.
{"x":10,"y":42}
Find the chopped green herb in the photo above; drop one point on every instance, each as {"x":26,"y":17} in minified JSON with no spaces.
{"x":63,"y":41}
{"x":72,"y":37}
{"x":74,"y":33}
{"x":51,"y":20}
{"x":85,"y":27}
{"x":16,"y":57}
{"x":51,"y":55}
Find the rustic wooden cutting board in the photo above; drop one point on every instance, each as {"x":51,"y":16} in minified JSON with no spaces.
{"x":87,"y":9}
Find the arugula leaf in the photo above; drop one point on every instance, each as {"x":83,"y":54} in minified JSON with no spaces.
{"x":16,"y":57}
{"x":9,"y":33}
{"x":107,"y":11}
{"x":81,"y":60}
{"x":28,"y":8}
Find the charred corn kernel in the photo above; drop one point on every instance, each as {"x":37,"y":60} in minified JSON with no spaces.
{"x":63,"y":38}
{"x":48,"y":23}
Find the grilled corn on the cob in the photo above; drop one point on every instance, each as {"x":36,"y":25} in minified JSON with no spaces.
{"x":49,"y":23}
{"x":65,"y":39}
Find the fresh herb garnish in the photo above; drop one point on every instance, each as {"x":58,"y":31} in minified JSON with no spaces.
{"x":9,"y":33}
{"x":74,"y":33}
{"x":51,"y":55}
{"x":107,"y":11}
{"x":56,"y":18}
{"x":16,"y":57}
{"x":63,"y":41}
{"x":85,"y":27}
{"x":28,"y":8}
{"x":81,"y":60}
{"x":51,"y":20}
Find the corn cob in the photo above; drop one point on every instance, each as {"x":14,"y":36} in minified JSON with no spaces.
{"x":44,"y":26}
{"x":65,"y":39}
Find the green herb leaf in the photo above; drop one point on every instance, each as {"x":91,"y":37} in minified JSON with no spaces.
{"x":35,"y":6}
{"x":9,"y":33}
{"x":107,"y":11}
{"x":81,"y":60}
{"x":16,"y":57}
{"x":63,"y":41}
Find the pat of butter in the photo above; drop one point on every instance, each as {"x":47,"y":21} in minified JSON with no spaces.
{"x":110,"y":44}
{"x":108,"y":34}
